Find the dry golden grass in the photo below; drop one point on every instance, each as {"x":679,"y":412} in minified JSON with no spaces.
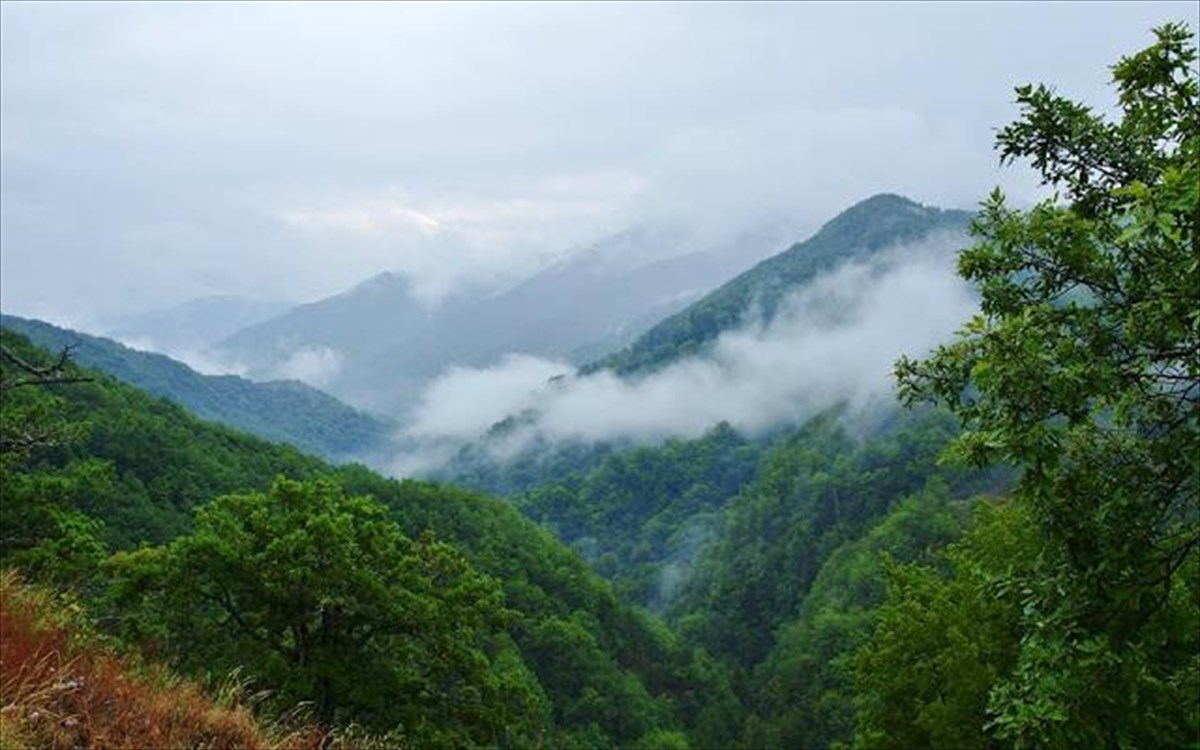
{"x":59,"y":691}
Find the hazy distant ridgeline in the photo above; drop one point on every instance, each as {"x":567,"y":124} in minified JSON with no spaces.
{"x":377,"y":345}
{"x":184,"y":331}
{"x":816,"y":325}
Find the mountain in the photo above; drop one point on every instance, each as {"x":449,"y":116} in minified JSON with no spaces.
{"x":192,"y":326}
{"x":383,"y":345}
{"x":285,"y":411}
{"x":882,"y":223}
{"x":598,"y":672}
{"x":353,"y":324}
{"x":766,"y":550}
{"x":328,"y":342}
{"x":605,"y":294}
{"x":879,"y":222}
{"x":639,"y":510}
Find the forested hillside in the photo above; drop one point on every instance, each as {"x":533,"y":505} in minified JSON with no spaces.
{"x":1003,"y":552}
{"x":1017,"y":571}
{"x":390,"y":344}
{"x":642,"y":512}
{"x":766,"y":552}
{"x":115,"y":468}
{"x":882,"y":221}
{"x":285,"y":411}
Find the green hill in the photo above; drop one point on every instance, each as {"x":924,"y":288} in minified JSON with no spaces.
{"x":138,"y":466}
{"x":877,"y":223}
{"x":283,"y":411}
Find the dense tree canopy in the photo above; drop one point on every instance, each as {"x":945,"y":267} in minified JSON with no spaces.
{"x":1084,"y":369}
{"x":138,"y":467}
{"x":322,"y":596}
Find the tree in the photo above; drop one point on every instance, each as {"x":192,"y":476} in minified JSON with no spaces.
{"x":1083,"y":369}
{"x":25,"y":425}
{"x":41,"y":530}
{"x":940,"y":642}
{"x":321,"y":598}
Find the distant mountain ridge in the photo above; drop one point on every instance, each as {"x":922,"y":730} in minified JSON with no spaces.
{"x":388,"y":344}
{"x":352,"y":322}
{"x":283,"y":411}
{"x":192,"y":326}
{"x":875,"y":226}
{"x":879,"y":222}
{"x":650,"y":514}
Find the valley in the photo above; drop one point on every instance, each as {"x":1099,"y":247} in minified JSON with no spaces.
{"x":712,"y":464}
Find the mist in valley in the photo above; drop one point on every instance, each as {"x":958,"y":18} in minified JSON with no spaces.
{"x":832,"y":341}
{"x":523,"y":374}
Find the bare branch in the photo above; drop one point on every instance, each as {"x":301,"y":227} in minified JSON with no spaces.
{"x":56,"y":373}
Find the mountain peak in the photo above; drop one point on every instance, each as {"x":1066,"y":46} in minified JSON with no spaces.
{"x":880,"y":219}
{"x":880,"y":201}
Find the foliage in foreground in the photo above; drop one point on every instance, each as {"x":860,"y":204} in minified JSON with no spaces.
{"x":1084,"y":370}
{"x":322,"y":597}
{"x":62,"y":689}
{"x":137,"y":469}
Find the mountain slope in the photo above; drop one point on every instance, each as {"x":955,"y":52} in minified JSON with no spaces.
{"x":192,"y":326}
{"x":673,"y":493}
{"x":613,"y":676}
{"x":387,"y":345}
{"x":881,"y":233}
{"x":353,"y":324}
{"x":115,"y":702}
{"x":874,"y":224}
{"x":287,"y":411}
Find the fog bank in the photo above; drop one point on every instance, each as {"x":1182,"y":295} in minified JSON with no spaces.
{"x":834,"y":340}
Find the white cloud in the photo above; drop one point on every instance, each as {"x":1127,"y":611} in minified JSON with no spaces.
{"x":150,"y":149}
{"x":464,"y":402}
{"x":372,"y":219}
{"x":316,"y":365}
{"x":835,"y":340}
{"x":196,"y":360}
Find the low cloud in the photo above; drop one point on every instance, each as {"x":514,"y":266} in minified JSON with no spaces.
{"x":464,"y":402}
{"x":203,"y":363}
{"x":835,"y":340}
{"x":315,"y":365}
{"x":196,"y":360}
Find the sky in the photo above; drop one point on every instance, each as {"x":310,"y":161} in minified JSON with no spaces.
{"x":155,"y":153}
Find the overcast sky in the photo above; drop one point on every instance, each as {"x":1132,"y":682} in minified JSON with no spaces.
{"x":153,"y":153}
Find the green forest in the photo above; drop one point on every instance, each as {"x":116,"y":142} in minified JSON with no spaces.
{"x":1006,"y":557}
{"x":879,"y":222}
{"x":282,"y":410}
